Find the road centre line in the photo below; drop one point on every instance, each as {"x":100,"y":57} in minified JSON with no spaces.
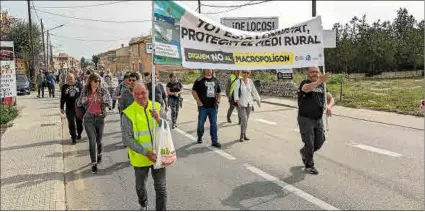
{"x":376,"y":150}
{"x":218,"y":151}
{"x":266,"y":122}
{"x":323,"y":205}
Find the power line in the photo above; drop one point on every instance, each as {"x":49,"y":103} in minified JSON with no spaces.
{"x":240,"y":6}
{"x":36,"y":14}
{"x":85,"y":6}
{"x":94,"y":20}
{"x":80,"y":39}
{"x":227,"y":6}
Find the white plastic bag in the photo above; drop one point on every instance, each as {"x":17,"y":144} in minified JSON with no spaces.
{"x":165,"y":151}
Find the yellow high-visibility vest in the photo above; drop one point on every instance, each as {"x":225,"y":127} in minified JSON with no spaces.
{"x":143,"y":130}
{"x":232,"y":86}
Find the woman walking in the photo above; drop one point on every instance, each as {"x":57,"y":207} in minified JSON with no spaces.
{"x":94,"y":99}
{"x":174,"y":89}
{"x":111,"y":89}
{"x":244,"y":94}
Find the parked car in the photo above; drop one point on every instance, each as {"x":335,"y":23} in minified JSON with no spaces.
{"x":22,"y":84}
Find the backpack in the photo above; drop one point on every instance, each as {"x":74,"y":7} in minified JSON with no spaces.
{"x":232,"y":97}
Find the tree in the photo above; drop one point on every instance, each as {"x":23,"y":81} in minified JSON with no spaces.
{"x":19,"y":35}
{"x":95,"y":60}
{"x":83,"y":63}
{"x":377,"y":47}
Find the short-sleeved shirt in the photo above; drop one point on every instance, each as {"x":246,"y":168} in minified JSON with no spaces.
{"x":207,"y":90}
{"x":174,"y":87}
{"x":312,"y":104}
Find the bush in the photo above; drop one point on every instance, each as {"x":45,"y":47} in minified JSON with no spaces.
{"x":189,"y":77}
{"x":264,"y":76}
{"x":7,"y":115}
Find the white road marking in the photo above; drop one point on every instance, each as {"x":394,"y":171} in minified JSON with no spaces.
{"x":377,"y":150}
{"x":323,"y":205}
{"x":218,"y":151}
{"x":266,"y":122}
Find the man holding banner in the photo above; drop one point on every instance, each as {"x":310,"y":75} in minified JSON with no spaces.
{"x":310,"y":112}
{"x":206,"y":91}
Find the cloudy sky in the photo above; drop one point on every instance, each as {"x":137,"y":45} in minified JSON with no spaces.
{"x":85,"y":38}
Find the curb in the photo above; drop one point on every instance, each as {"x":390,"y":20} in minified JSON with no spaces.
{"x":60,"y":197}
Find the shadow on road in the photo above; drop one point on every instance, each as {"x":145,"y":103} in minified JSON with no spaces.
{"x":262,"y":189}
{"x":251,"y":191}
{"x":85,"y":152}
{"x":34,"y":179}
{"x":184,"y":151}
{"x":44,"y":143}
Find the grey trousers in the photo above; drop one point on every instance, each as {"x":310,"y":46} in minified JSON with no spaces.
{"x":313,"y":136}
{"x":244,"y":116}
{"x":159,"y":182}
{"x":94,"y":125}
{"x":230,"y":111}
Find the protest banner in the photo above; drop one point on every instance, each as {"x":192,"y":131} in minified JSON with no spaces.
{"x":7,"y":70}
{"x":251,"y":24}
{"x":195,"y":41}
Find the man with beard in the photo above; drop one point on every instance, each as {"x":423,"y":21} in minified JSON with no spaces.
{"x":311,"y":104}
{"x":69,"y":94}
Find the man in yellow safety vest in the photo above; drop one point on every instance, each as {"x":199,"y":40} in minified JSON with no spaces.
{"x":137,"y":129}
{"x":230,"y":86}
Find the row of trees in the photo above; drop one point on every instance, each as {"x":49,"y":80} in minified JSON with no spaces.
{"x":378,"y":47}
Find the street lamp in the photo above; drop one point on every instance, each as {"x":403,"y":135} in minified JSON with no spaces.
{"x":47,"y":46}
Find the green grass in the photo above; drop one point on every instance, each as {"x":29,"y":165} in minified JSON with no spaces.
{"x":392,"y":95}
{"x":7,"y":115}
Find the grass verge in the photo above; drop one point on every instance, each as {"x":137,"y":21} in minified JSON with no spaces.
{"x":391,"y":95}
{"x":8,"y":114}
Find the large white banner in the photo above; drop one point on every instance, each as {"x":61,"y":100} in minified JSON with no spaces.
{"x":182,"y":36}
{"x":7,"y":70}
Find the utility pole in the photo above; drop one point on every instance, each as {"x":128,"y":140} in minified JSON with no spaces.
{"x":199,"y":6}
{"x":31,"y":57}
{"x":44,"y":47}
{"x":51,"y":54}
{"x":47,"y":51}
{"x":313,"y":8}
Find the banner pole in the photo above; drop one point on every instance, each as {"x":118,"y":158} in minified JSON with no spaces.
{"x":325,"y":92}
{"x":153,"y":75}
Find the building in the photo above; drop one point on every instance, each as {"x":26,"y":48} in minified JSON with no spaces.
{"x":123,"y":59}
{"x":64,"y":61}
{"x":5,"y":22}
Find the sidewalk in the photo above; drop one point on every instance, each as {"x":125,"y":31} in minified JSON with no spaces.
{"x":381,"y":117}
{"x":29,"y":179}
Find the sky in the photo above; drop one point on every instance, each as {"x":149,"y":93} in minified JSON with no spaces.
{"x":112,"y":35}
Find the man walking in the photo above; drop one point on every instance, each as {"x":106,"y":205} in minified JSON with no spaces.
{"x":136,"y":133}
{"x":206,"y":91}
{"x":126,"y":98}
{"x":230,"y":87}
{"x":41,"y":82}
{"x":311,"y":103}
{"x":69,"y":94}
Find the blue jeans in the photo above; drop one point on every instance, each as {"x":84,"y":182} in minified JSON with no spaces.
{"x":211,"y":113}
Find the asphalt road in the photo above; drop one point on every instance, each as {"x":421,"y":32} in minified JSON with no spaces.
{"x":363,"y":166}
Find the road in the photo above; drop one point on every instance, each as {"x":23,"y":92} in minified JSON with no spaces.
{"x":362,"y":165}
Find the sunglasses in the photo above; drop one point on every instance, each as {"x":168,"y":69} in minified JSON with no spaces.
{"x":96,"y":81}
{"x":132,"y":80}
{"x":245,"y":72}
